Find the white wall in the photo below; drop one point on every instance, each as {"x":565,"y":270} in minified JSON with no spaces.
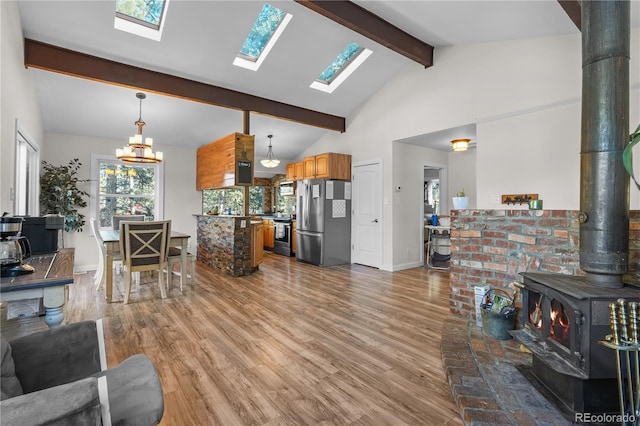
{"x":408,"y":174}
{"x":521,"y":94}
{"x":18,"y":99}
{"x":462,"y":175}
{"x":181,"y":200}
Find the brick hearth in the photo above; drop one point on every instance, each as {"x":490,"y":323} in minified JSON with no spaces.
{"x":485,"y":383}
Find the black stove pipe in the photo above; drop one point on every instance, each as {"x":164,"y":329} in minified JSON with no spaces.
{"x":604,"y":183}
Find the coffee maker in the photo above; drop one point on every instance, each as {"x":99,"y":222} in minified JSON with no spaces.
{"x":14,"y":249}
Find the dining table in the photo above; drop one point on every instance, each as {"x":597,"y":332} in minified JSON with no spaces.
{"x":111,"y":241}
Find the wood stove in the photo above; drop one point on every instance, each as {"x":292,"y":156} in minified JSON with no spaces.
{"x":563,"y":318}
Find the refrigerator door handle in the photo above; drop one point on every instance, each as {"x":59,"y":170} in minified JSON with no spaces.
{"x":306,"y":206}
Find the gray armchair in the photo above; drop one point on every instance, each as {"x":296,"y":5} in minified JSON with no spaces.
{"x":59,"y":377}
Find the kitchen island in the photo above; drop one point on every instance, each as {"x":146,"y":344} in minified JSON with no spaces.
{"x":229,"y":243}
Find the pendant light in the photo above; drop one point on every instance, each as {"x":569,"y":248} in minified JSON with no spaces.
{"x":460,"y":145}
{"x":270,"y":161}
{"x":139,"y":150}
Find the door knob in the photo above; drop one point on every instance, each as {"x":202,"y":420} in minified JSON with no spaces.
{"x":374,"y":221}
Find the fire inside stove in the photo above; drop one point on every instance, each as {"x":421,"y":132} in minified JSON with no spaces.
{"x":559,"y":323}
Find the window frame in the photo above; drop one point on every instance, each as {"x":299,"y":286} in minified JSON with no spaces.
{"x":253,"y":64}
{"x":139,"y":27}
{"x":98,"y":159}
{"x":26,"y":176}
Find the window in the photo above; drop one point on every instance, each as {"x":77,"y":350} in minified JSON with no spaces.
{"x":125,"y":188}
{"x":342,"y":66}
{"x":268,"y":27}
{"x":223,"y":200}
{"x":27,"y":178}
{"x":285,"y":203}
{"x":141,"y":17}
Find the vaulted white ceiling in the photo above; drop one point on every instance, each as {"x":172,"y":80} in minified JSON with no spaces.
{"x":201,"y":39}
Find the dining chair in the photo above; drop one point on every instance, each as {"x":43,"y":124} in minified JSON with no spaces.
{"x":117,"y":258}
{"x":175,"y":257}
{"x":117,"y":218}
{"x":144,"y":247}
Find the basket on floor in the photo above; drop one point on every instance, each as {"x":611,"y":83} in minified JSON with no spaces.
{"x":498,"y":314}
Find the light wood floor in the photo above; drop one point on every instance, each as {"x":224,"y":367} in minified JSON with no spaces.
{"x":293,"y":344}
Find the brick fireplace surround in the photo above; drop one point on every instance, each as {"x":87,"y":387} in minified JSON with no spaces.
{"x":491,"y":247}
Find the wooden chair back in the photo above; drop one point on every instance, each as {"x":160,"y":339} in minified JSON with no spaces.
{"x":144,"y":246}
{"x":117,"y":218}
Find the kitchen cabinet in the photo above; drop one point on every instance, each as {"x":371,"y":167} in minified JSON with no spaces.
{"x":295,"y":171}
{"x":257,"y":243}
{"x":268,"y":233}
{"x":329,"y":165}
{"x":225,"y":163}
{"x":293,"y":236}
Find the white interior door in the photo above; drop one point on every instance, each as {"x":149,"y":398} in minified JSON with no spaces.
{"x":367,"y":214}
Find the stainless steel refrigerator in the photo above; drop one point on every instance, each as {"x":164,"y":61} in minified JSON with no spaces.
{"x":323,"y":234}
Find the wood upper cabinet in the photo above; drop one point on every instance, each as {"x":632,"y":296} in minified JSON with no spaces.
{"x":226,"y":162}
{"x":295,"y":171}
{"x":330,"y":165}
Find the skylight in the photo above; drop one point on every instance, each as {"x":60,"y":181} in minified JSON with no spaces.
{"x":342,"y":66}
{"x":141,"y":17}
{"x":268,"y":27}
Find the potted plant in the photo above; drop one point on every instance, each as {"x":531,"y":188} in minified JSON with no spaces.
{"x":59,"y":193}
{"x":460,"y":201}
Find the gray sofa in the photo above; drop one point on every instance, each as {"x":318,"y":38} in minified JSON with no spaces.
{"x":59,"y":377}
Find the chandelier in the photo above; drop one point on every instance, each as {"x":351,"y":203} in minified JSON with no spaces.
{"x":459,"y":145}
{"x":139,"y":150}
{"x":270,"y":161}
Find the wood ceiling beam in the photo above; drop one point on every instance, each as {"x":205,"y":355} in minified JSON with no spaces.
{"x":362,"y":21}
{"x":56,"y":59}
{"x":574,"y":10}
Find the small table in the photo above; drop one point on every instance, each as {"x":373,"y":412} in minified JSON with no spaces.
{"x":53,"y":271}
{"x":111,"y":241}
{"x":437,"y":236}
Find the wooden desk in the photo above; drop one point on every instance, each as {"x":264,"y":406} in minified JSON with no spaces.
{"x":53,"y":272}
{"x":111,"y":241}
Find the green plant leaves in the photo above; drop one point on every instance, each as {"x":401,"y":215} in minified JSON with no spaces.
{"x":627,"y":156}
{"x":59,"y":193}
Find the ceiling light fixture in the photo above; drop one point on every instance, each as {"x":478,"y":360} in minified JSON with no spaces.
{"x":139,"y":151}
{"x":270,"y":161}
{"x":460,"y":145}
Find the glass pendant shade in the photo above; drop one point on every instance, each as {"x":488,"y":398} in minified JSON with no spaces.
{"x":270,"y":161}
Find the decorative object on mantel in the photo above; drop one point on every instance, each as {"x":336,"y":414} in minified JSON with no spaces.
{"x":139,"y":150}
{"x":270,"y":161}
{"x":519,"y":199}
{"x":535,"y":204}
{"x":460,"y":201}
{"x":460,"y":145}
